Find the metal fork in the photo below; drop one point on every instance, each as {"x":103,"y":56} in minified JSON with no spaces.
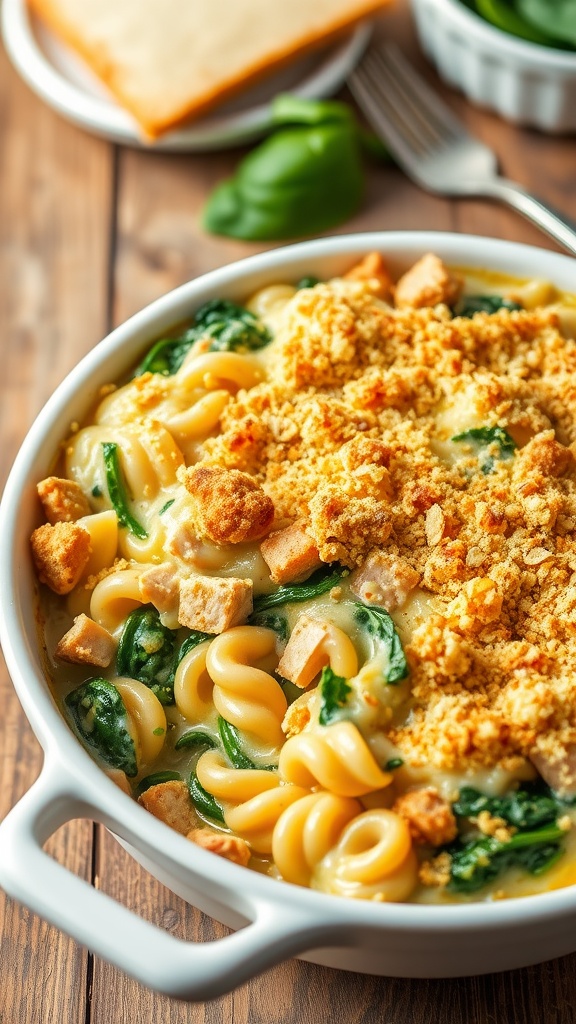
{"x":430,"y":143}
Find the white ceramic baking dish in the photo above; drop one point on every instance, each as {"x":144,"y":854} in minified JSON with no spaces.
{"x":522,"y":81}
{"x":273,"y":920}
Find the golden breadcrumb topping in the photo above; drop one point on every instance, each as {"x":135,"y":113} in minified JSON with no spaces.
{"x":352,"y":434}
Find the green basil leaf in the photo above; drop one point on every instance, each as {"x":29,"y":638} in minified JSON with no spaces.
{"x":280,"y":189}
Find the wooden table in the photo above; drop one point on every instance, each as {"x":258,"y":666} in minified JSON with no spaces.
{"x":90,"y":233}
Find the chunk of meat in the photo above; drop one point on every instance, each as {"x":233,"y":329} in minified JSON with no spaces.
{"x":160,"y":586}
{"x":230,"y":847}
{"x":229,"y":506}
{"x":385,"y":580}
{"x":428,"y":283}
{"x":429,"y":817}
{"x":87,"y":643}
{"x":61,"y":554}
{"x":290,"y":554}
{"x":557,"y":767}
{"x":170,"y":801}
{"x":63,"y":500}
{"x":305,"y":654}
{"x":372,"y":268}
{"x":213,"y":605}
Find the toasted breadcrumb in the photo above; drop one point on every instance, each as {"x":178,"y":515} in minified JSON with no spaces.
{"x":435,"y":872}
{"x":429,"y":816}
{"x":344,"y":437}
{"x":63,"y":501}
{"x":61,"y":554}
{"x":230,"y":507}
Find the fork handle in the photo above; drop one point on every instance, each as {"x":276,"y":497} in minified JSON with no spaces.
{"x":529,"y":206}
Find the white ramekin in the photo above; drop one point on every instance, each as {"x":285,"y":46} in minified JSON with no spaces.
{"x":274,"y":920}
{"x":523,"y":82}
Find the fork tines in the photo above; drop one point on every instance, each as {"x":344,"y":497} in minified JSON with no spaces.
{"x":400,"y":105}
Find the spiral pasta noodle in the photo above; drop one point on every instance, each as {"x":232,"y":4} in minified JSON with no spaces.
{"x":246,"y":696}
{"x":193,"y":686}
{"x":146,"y":719}
{"x":373,"y":859}
{"x":337,"y":759}
{"x":307,"y":830}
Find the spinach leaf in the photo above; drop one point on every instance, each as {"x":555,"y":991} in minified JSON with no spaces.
{"x":471,"y":304}
{"x":474,"y":864}
{"x":233,"y":748}
{"x":147,"y":652}
{"x":166,"y":506}
{"x":525,"y":808}
{"x":195,"y":739}
{"x":319,"y":583}
{"x":270,"y":620}
{"x":167,"y":355}
{"x":231,"y":327}
{"x":380,"y":626}
{"x":192,"y":641}
{"x":394,"y":762}
{"x":304,"y":178}
{"x":99,"y":715}
{"x":481,"y":438}
{"x":334,"y":693}
{"x":503,"y":16}
{"x":117,"y":490}
{"x":156,"y":779}
{"x":204,"y":802}
{"x":307,"y":282}
{"x":555,"y":19}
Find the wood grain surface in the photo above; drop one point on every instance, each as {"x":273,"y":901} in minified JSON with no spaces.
{"x":89,"y":234}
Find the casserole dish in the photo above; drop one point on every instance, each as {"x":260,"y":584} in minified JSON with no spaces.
{"x":273,"y":921}
{"x":524,"y":82}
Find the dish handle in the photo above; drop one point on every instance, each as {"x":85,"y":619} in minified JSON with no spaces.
{"x":177,"y":968}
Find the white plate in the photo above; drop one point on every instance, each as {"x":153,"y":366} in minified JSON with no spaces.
{"x":67,"y":84}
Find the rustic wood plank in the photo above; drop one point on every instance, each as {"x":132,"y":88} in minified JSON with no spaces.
{"x":55,"y":189}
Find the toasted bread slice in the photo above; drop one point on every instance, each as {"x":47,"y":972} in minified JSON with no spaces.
{"x":168,"y":61}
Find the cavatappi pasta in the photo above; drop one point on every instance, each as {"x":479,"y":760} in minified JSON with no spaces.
{"x":310,"y":583}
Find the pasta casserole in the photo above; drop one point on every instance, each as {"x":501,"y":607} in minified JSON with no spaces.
{"x":308,"y":582}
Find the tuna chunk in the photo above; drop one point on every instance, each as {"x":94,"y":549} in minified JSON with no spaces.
{"x":384,"y":579}
{"x":87,"y":643}
{"x":428,"y":283}
{"x":304,"y":656}
{"x":290,"y":554}
{"x":230,"y":847}
{"x":160,"y":586}
{"x":170,"y":801}
{"x":213,"y":605}
{"x":429,"y":816}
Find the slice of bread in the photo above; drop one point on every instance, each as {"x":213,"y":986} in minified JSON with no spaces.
{"x":168,"y":61}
